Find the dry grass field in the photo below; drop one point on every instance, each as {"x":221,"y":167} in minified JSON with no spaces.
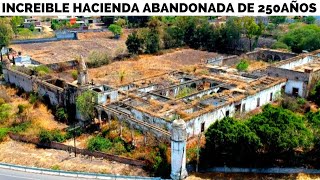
{"x":61,"y":51}
{"x":30,"y":155}
{"x":145,"y":66}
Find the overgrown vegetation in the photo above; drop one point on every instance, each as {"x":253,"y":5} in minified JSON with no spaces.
{"x":301,"y":38}
{"x":85,"y":103}
{"x":46,"y":136}
{"x":276,"y":136}
{"x":242,"y":65}
{"x":184,"y":92}
{"x":97,"y":59}
{"x":116,"y":30}
{"x":315,"y":93}
{"x":99,"y":143}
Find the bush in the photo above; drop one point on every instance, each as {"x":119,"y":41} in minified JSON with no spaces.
{"x":115,"y":29}
{"x":46,"y":136}
{"x":280,"y":45}
{"x":33,"y":98}
{"x":243,"y":65}
{"x":5,"y":112}
{"x":97,"y":59}
{"x":74,"y":74}
{"x":61,"y":114}
{"x":315,"y":93}
{"x":22,"y":127}
{"x":42,"y":70}
{"x":99,"y":144}
{"x":3,"y":133}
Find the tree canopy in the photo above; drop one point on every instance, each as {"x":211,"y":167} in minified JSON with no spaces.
{"x":305,"y":37}
{"x":85,"y":103}
{"x":115,"y":29}
{"x":5,"y":33}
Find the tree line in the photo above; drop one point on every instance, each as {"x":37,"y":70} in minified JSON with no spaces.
{"x":195,"y":32}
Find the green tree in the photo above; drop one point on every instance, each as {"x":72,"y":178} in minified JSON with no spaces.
{"x":152,"y":42}
{"x":309,"y":19}
{"x":99,"y":144}
{"x":16,"y":21}
{"x":85,"y":103}
{"x":62,"y":114}
{"x":233,"y":32}
{"x":303,"y":38}
{"x":243,"y":65}
{"x":250,"y":29}
{"x":280,"y":130}
{"x":315,"y":93}
{"x":277,"y":19}
{"x":115,"y":29}
{"x":229,"y":140}
{"x":173,"y":37}
{"x":5,"y":33}
{"x":5,"y":112}
{"x":134,"y":43}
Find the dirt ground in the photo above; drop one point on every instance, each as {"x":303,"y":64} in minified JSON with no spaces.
{"x":29,"y":155}
{"x":148,"y":65}
{"x":60,"y":51}
{"x":235,"y":176}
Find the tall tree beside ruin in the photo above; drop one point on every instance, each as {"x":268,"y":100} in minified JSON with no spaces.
{"x":85,"y":104}
{"x":5,"y":33}
{"x":250,"y":29}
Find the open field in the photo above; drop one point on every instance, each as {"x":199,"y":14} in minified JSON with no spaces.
{"x":29,"y":155}
{"x":61,"y":51}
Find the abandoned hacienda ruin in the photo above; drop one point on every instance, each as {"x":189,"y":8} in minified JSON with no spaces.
{"x":151,"y":104}
{"x":178,"y":105}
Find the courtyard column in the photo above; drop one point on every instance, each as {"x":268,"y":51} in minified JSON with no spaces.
{"x":178,"y":150}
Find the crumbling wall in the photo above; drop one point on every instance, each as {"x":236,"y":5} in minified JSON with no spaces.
{"x":297,"y":62}
{"x":19,"y":79}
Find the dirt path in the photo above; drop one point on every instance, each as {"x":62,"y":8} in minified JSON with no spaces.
{"x":28,"y":155}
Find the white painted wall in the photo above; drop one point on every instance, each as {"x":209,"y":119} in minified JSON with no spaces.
{"x":294,"y":84}
{"x":296,"y":63}
{"x":194,"y":125}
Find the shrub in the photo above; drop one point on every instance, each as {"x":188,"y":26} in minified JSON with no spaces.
{"x":97,"y":59}
{"x":184,"y":92}
{"x":61,"y":114}
{"x":42,"y":70}
{"x":33,"y":98}
{"x":46,"y":136}
{"x":99,"y":144}
{"x":243,"y":65}
{"x":119,"y":148}
{"x":5,"y":112}
{"x":20,"y":127}
{"x":115,"y":29}
{"x":3,"y":133}
{"x":280,"y":45}
{"x":74,"y":74}
{"x":55,"y":167}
